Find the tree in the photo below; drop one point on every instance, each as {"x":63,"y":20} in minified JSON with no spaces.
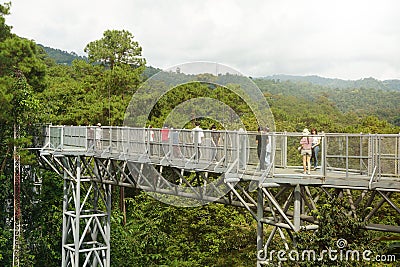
{"x":5,"y":30}
{"x":22,"y":54}
{"x":115,"y":48}
{"x":121,"y":57}
{"x":19,"y":53}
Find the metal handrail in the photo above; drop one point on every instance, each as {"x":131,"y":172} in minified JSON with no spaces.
{"x":369,"y":154}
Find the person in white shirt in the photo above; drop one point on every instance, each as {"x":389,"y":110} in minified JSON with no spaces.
{"x":150,"y":138}
{"x":198,"y":135}
{"x":98,"y":136}
{"x":268,"y":148}
{"x":316,"y":141}
{"x":242,"y":148}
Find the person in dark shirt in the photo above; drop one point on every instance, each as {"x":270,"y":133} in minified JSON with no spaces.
{"x":261,"y":140}
{"x":215,"y":141}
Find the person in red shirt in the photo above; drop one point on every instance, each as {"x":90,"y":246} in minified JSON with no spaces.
{"x":165,"y":139}
{"x":165,"y":134}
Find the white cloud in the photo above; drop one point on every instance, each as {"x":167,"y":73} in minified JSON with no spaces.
{"x":343,"y":39}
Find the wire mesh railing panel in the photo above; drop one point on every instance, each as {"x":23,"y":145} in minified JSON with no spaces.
{"x":388,"y":155}
{"x":75,"y":138}
{"x":55,"y":137}
{"x":347,"y":152}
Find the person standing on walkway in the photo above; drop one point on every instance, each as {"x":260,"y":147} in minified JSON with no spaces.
{"x":165,"y":140}
{"x":242,"y":148}
{"x":175,"y":143}
{"x":98,"y":136}
{"x":306,"y":143}
{"x":261,"y":140}
{"x":268,"y":147}
{"x":150,"y":138}
{"x":316,"y":140}
{"x":215,"y":141}
{"x":198,"y":135}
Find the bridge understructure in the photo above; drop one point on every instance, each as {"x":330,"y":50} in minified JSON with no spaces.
{"x":363,"y":168}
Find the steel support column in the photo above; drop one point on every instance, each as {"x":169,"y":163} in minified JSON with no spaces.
{"x":260,"y":214}
{"x":86,"y":218}
{"x":297,"y":208}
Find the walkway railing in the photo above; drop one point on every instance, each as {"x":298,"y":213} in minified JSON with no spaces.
{"x":373,"y":155}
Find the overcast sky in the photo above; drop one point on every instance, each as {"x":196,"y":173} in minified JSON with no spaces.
{"x":346,"y":39}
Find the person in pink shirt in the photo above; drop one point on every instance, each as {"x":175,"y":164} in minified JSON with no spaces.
{"x":306,"y":144}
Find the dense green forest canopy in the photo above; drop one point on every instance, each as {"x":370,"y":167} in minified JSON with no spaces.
{"x":45,"y":85}
{"x":356,"y":103}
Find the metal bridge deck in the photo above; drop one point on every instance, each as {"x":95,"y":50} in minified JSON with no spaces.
{"x":360,"y":161}
{"x":92,"y":159}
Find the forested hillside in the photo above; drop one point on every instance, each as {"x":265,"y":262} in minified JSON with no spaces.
{"x":355,"y":102}
{"x":36,"y":88}
{"x":61,"y":57}
{"x":339,"y":83}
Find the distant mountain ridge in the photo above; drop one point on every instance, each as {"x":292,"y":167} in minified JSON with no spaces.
{"x":61,"y":57}
{"x":64,"y":57}
{"x":339,"y":83}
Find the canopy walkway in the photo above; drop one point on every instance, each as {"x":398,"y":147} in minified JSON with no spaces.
{"x":172,"y":166}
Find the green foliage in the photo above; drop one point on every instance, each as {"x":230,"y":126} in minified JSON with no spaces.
{"x":160,"y":235}
{"x":115,"y":48}
{"x":85,"y":94}
{"x":44,"y":212}
{"x":41,"y":222}
{"x":5,"y":30}
{"x":392,"y":85}
{"x":21,"y":54}
{"x":6,"y":211}
{"x":337,"y":232}
{"x":205,"y":90}
{"x":354,"y":103}
{"x":24,"y":104}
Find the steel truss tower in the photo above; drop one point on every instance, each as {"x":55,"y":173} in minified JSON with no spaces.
{"x":86,"y":214}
